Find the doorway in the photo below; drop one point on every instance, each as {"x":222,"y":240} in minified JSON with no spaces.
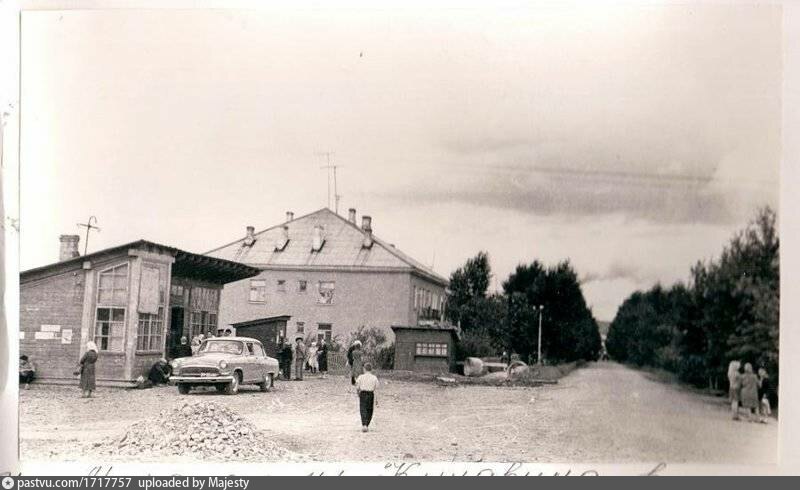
{"x":175,"y":329}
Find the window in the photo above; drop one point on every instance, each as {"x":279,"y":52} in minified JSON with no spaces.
{"x":281,"y":286}
{"x":258,"y":291}
{"x":250,"y":349}
{"x":150,"y":330}
{"x":431,"y":349}
{"x":302,"y":286}
{"x":108,"y":329}
{"x":203,"y":322}
{"x":176,"y":293}
{"x":301,"y":327}
{"x":224,"y":346}
{"x":324,"y":331}
{"x":258,"y":351}
{"x":112,"y":287}
{"x":325,"y":290}
{"x":112,"y":298}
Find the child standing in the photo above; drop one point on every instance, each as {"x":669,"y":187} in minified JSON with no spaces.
{"x":365,"y":387}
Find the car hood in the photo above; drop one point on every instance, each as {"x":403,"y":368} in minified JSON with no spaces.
{"x":211,"y":359}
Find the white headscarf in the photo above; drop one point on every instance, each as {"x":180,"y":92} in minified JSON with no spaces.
{"x":733,"y":369}
{"x":91,"y":346}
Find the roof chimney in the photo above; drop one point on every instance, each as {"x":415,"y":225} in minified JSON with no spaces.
{"x":69,"y":247}
{"x":352,"y":216}
{"x":316,"y":239}
{"x":366,"y":226}
{"x":280,"y":245}
{"x":250,"y":239}
{"x":289,"y":215}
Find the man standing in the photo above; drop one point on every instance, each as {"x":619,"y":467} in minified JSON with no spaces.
{"x":299,"y":358}
{"x":285,"y":358}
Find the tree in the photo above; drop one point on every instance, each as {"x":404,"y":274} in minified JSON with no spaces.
{"x":468,"y":288}
{"x":730,"y":311}
{"x":569,"y":330}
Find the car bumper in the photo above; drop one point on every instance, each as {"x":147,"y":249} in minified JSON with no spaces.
{"x":218,"y":378}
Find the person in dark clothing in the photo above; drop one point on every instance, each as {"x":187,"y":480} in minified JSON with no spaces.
{"x":323,"y":357}
{"x":764,"y":395}
{"x":160,"y":372}
{"x":285,"y":354}
{"x":86,"y":369}
{"x":183,"y":349}
{"x":27,"y":371}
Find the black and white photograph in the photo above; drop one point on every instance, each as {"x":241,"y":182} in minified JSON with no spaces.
{"x":529,"y":232}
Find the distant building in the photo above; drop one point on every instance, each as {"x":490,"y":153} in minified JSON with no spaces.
{"x":135,"y":301}
{"x":331,"y":276}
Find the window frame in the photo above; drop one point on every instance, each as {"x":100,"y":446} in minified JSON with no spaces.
{"x":112,"y":306}
{"x":320,"y":298}
{"x":325,"y":330}
{"x":262,"y":289}
{"x":431,"y":349}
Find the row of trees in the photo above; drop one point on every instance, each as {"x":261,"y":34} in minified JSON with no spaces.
{"x":509,"y":320}
{"x":729,"y":310}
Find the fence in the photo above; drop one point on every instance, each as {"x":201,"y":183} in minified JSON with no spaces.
{"x":337,"y":362}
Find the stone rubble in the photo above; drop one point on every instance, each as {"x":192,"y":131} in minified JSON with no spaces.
{"x":201,"y":430}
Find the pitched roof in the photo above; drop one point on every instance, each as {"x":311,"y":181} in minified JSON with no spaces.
{"x":342,"y":248}
{"x":187,"y":264}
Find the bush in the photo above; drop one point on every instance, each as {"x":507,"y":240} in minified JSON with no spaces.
{"x":384,"y":357}
{"x":475,"y":344}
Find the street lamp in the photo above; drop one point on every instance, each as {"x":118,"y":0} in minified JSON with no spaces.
{"x":539,"y":344}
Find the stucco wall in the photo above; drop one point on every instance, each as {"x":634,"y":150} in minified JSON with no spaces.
{"x":372,"y":299}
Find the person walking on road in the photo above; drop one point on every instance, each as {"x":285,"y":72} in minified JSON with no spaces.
{"x":366,"y":384}
{"x":734,"y":387}
{"x":749,"y":393}
{"x":86,"y":369}
{"x":299,"y":358}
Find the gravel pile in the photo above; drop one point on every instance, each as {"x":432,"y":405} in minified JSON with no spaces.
{"x":199,"y":430}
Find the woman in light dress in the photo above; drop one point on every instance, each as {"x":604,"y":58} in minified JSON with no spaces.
{"x":313,"y":361}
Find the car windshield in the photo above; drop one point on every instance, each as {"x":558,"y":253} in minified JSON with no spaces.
{"x":224,"y":346}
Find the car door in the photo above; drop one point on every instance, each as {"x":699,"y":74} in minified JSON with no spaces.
{"x":250,"y":364}
{"x":260,"y":361}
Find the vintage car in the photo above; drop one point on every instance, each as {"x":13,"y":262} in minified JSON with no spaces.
{"x":226,"y":363}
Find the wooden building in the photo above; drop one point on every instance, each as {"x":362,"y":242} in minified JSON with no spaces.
{"x":425,"y":347}
{"x":268,"y":330}
{"x":135,"y":301}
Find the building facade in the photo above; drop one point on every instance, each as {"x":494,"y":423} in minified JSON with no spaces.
{"x":331,"y":276}
{"x":135,"y":301}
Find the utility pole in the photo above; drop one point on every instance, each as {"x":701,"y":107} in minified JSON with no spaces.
{"x":330,"y":167}
{"x":539,"y":343}
{"x":89,"y":227}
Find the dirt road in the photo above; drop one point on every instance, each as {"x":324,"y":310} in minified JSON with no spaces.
{"x":601,"y":413}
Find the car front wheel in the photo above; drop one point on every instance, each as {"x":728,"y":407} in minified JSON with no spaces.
{"x":267,"y":384}
{"x":233,"y":387}
{"x":183,"y":388}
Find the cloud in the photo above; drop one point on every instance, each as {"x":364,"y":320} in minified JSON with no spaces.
{"x":616,"y":271}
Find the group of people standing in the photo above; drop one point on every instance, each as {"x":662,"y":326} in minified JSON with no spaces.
{"x":298,"y":358}
{"x":750,"y":391}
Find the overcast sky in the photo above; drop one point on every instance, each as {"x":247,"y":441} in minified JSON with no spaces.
{"x":631,"y":140}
